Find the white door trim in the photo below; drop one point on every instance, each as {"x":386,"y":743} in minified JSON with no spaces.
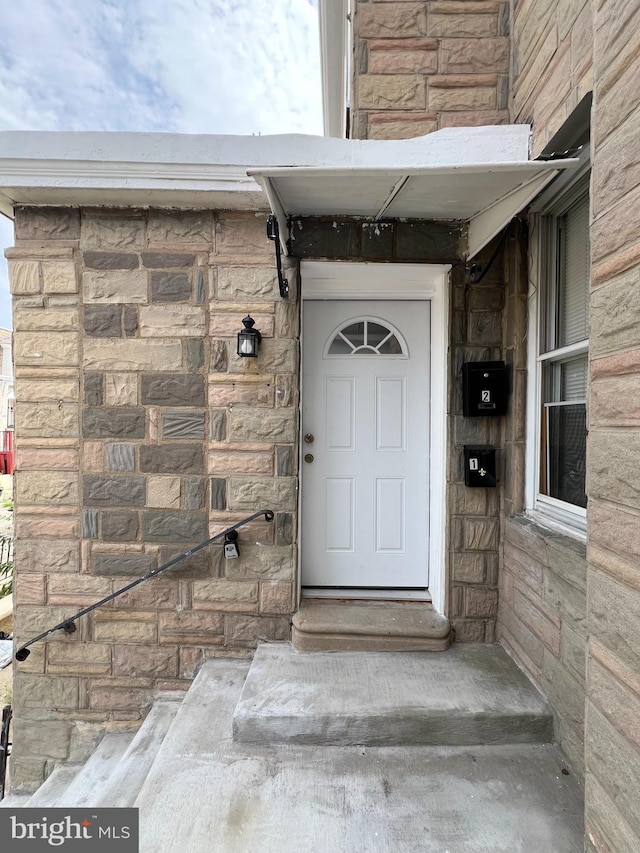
{"x":344,"y":280}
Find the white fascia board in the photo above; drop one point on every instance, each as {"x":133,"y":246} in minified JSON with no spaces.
{"x":333,"y":65}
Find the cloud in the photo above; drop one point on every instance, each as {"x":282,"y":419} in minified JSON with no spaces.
{"x":184,"y":66}
{"x":192,"y":66}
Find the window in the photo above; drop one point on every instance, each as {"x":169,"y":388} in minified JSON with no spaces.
{"x":365,"y":337}
{"x":563,"y":353}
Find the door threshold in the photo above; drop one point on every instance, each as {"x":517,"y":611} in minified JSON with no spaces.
{"x":364,"y":594}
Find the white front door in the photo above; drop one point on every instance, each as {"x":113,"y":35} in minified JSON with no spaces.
{"x":365,"y":428}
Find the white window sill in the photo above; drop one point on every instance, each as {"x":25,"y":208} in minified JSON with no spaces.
{"x":576,"y":528}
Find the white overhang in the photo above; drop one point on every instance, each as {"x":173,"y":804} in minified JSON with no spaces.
{"x":480,"y":175}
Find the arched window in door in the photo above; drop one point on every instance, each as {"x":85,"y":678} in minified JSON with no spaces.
{"x":366,"y":336}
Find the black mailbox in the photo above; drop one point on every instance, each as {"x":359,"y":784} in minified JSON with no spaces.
{"x":484,"y":388}
{"x":480,"y":466}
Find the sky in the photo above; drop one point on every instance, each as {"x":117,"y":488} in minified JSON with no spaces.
{"x":181,"y":66}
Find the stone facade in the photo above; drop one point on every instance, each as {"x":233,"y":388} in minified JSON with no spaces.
{"x":420,"y":66}
{"x":139,"y":434}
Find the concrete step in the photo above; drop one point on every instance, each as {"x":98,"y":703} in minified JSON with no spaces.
{"x":205,"y":791}
{"x":123,"y":785}
{"x":393,"y":626}
{"x":53,"y":789}
{"x":86,"y":788}
{"x":469,"y":695}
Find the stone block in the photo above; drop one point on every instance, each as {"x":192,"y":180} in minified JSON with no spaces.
{"x":121,"y":457}
{"x":27,"y":589}
{"x":263,"y":426}
{"x":462,"y":97}
{"x":113,"y":491}
{"x":167,"y":260}
{"x":37,"y":320}
{"x":180,"y":227}
{"x":158,"y":526}
{"x":257,"y":493}
{"x":391,"y":20}
{"x":248,"y":393}
{"x":172,"y":458}
{"x":46,"y":420}
{"x":42,"y":739}
{"x":24,"y":277}
{"x":47,"y":525}
{"x":133,"y":354}
{"x":480,"y":534}
{"x":47,"y":223}
{"x":170,"y":286}
{"x":113,"y":422}
{"x":469,"y":568}
{"x":615,"y":321}
{"x":567,"y":557}
{"x":564,"y":598}
{"x":615,"y":401}
{"x":124,"y":627}
{"x":183,"y":424}
{"x":191,"y":628}
{"x":615,"y":530}
{"x":193,"y":493}
{"x":59,"y":277}
{"x":58,"y":556}
{"x":614,"y":458}
{"x":198,"y":565}
{"x":474,"y":55}
{"x":245,"y":630}
{"x":42,"y":692}
{"x":103,"y":321}
{"x":119,"y":525}
{"x":93,"y":388}
{"x":171,"y":321}
{"x":403,"y":61}
{"x":79,"y":658}
{"x":382,"y":126}
{"x":47,"y":487}
{"x":480,"y":602}
{"x":454,"y":25}
{"x":194,"y":354}
{"x":615,"y":700}
{"x":276,"y":598}
{"x":161,"y":594}
{"x":121,"y":389}
{"x":286,"y":391}
{"x":54,"y":390}
{"x":36,"y":459}
{"x":141,"y":661}
{"x":224,"y":462}
{"x":242,"y":234}
{"x":160,"y":389}
{"x":286,"y":461}
{"x":603,"y":813}
{"x":71,"y":590}
{"x":110,"y":261}
{"x":614,"y":609}
{"x":540,"y":619}
{"x":392,"y":92}
{"x":225,"y":595}
{"x":219,"y":356}
{"x":45,"y":349}
{"x":200,"y":294}
{"x":218,"y":425}
{"x":614,"y":765}
{"x":122,"y":286}
{"x":218,"y":493}
{"x":163,"y":492}
{"x":284,"y":528}
{"x":112,"y":233}
{"x":240,"y":284}
{"x":115,"y":564}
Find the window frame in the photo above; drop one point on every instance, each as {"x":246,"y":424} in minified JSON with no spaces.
{"x":543,"y":281}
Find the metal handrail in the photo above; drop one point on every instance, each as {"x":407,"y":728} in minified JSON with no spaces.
{"x":69,"y":625}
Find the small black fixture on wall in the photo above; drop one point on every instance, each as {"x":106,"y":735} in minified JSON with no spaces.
{"x":480,"y":466}
{"x":273,"y":233}
{"x":484,"y":389}
{"x":248,"y":339}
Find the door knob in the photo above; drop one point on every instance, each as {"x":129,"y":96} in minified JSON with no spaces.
{"x":308,"y":457}
{"x":308,"y":438}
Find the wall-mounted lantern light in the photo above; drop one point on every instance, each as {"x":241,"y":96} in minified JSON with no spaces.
{"x":248,"y":339}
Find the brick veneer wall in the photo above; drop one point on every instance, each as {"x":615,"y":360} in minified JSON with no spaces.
{"x":552,"y":63}
{"x":421,"y":66}
{"x":613,"y":455}
{"x":139,"y":433}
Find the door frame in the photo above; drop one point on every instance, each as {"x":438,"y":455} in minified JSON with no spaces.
{"x":344,"y":280}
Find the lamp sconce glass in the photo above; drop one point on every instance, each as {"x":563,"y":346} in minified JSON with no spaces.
{"x":248,"y":339}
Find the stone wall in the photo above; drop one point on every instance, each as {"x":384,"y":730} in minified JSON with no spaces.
{"x":420,"y":66}
{"x":613,"y":450}
{"x":139,"y":434}
{"x":551,"y":63}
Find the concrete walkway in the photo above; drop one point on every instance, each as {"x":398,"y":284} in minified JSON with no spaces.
{"x":206,"y":792}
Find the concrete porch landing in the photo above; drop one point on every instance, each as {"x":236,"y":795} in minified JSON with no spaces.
{"x":373,"y":626}
{"x":470,"y":694}
{"x":206,"y":792}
